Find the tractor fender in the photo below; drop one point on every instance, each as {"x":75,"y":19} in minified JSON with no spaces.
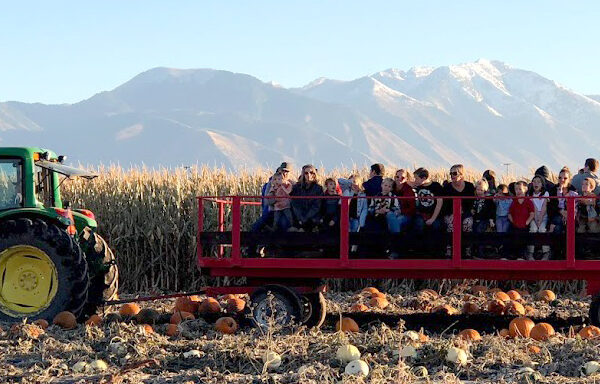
{"x":48,"y":215}
{"x":82,"y":221}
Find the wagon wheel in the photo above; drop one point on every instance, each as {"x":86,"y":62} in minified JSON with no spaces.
{"x":314,"y":309}
{"x":275,"y":305}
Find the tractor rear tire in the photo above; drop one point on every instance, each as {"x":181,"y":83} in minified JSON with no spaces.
{"x":42,"y":271}
{"x":102,"y":270}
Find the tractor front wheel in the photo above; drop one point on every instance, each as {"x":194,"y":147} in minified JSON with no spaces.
{"x":102,"y":270}
{"x":42,"y":271}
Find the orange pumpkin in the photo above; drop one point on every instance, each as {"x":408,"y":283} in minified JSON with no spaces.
{"x":477,"y":289}
{"x":496,"y":306}
{"x":504,"y":333}
{"x":501,"y":296}
{"x":229,"y":296}
{"x":42,"y":323}
{"x":346,"y":325}
{"x":235,"y":305}
{"x":148,"y":329}
{"x":31,"y":331}
{"x":542,"y":332}
{"x":129,"y":309}
{"x":378,"y":302}
{"x":520,"y":327}
{"x":589,"y":332}
{"x":359,"y":308}
{"x":469,"y":335}
{"x":534,"y":349}
{"x":226,"y":325}
{"x":546,"y":295}
{"x":93,"y":321}
{"x":209,"y":305}
{"x":470,"y":308}
{"x":515,"y":308}
{"x":180,"y":316}
{"x":514,"y":295}
{"x":186,"y":304}
{"x":445,"y":309}
{"x":65,"y":320}
{"x":172,"y":330}
{"x":378,"y":294}
{"x":529,"y":310}
{"x":370,"y":290}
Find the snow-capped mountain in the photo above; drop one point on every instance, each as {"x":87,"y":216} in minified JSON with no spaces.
{"x":481,"y":114}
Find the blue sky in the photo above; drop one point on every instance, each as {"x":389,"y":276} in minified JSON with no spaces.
{"x":66,"y":51}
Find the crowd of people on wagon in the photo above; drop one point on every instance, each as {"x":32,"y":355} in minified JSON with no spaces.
{"x":375,"y":206}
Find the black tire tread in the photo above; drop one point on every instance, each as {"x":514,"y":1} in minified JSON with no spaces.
{"x":103,"y":271}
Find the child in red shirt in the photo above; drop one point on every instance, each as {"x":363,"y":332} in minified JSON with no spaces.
{"x":521,"y":211}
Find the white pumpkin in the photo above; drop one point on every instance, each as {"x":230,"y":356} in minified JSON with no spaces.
{"x":357,"y":367}
{"x":456,"y":356}
{"x":347,"y":353}
{"x":272,"y":360}
{"x":80,"y":366}
{"x":591,"y":367}
{"x":412,"y":335}
{"x":98,"y":365}
{"x":409,"y":351}
{"x":192,"y":353}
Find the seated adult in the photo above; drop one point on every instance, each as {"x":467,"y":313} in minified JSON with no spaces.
{"x":307,"y":212}
{"x":401,"y":219}
{"x":459,"y":187}
{"x":428,"y":207}
{"x":589,"y":171}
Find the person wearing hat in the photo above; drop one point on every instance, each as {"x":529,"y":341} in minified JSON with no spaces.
{"x":267,"y":215}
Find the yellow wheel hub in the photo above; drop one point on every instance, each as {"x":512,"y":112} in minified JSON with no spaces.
{"x":28,"y":280}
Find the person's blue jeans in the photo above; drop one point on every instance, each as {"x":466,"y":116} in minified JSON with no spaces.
{"x":354,"y":225}
{"x":397,"y":223}
{"x":263,"y":221}
{"x":419,"y":224}
{"x":502,"y":224}
{"x":558,"y":224}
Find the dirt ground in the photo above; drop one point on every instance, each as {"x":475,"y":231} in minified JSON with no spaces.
{"x":135,"y":355}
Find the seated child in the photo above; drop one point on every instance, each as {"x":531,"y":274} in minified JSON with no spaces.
{"x":588,"y":210}
{"x":379,"y":207}
{"x":358,"y":206}
{"x":331,"y":207}
{"x":502,"y":207}
{"x":483,"y":209}
{"x":281,"y":189}
{"x":521,"y":211}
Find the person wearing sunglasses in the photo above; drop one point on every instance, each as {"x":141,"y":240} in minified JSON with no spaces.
{"x":458,"y":186}
{"x":307,"y":212}
{"x":558,"y":216}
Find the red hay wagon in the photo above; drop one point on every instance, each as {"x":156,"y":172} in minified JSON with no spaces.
{"x":294,"y":264}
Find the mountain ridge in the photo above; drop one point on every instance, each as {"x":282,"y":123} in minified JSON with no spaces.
{"x":482,"y":114}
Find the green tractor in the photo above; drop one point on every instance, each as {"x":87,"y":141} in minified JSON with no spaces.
{"x":51,"y":258}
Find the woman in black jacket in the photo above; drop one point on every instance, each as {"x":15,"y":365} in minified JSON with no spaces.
{"x":307,"y":212}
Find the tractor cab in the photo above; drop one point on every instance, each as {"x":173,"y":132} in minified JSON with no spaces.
{"x":30,"y":180}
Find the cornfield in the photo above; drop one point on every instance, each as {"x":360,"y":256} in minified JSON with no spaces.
{"x":149,"y":217}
